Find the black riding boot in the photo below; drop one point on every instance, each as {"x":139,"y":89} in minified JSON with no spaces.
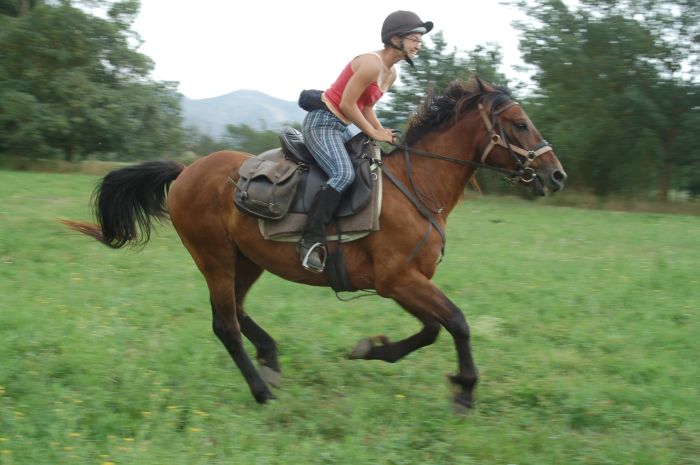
{"x":312,"y":246}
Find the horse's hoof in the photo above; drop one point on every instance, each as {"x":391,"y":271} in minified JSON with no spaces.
{"x":462,"y":404}
{"x":264,"y":396}
{"x":460,"y":409}
{"x":270,"y":376}
{"x":362,"y":349}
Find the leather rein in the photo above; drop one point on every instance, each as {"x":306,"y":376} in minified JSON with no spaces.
{"x":497,"y":136}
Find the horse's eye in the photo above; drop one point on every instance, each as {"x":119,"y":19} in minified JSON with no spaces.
{"x":521,"y":126}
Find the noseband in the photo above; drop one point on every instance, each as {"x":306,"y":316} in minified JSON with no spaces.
{"x":498,"y":137}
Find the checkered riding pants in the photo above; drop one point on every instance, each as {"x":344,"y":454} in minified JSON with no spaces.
{"x":325,"y":136}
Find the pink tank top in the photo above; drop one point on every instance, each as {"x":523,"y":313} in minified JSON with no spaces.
{"x":334,"y":94}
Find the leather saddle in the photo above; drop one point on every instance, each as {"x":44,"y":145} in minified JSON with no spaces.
{"x":354,"y":198}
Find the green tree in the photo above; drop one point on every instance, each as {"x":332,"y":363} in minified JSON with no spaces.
{"x":247,"y":139}
{"x":435,"y":68}
{"x":203,"y":144}
{"x":72,"y":86}
{"x":616,"y":90}
{"x":17,"y":7}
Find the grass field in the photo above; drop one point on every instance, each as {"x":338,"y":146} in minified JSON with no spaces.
{"x":585,"y":328}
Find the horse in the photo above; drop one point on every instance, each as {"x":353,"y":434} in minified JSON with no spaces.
{"x":473,"y":124}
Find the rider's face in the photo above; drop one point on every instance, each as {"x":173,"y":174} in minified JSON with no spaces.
{"x":412,"y":44}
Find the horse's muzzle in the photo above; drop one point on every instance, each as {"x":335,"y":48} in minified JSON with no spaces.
{"x":544,"y":182}
{"x":556,"y":180}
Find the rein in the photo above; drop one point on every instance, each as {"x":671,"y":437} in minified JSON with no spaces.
{"x":523,"y":171}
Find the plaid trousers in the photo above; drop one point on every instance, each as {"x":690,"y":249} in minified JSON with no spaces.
{"x":325,"y":136}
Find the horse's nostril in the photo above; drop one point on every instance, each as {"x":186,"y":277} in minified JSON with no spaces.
{"x":558,"y":176}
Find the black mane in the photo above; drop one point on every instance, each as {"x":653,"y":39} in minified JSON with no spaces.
{"x":459,"y":97}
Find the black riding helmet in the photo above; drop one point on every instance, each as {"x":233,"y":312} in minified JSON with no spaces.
{"x":401,"y":23}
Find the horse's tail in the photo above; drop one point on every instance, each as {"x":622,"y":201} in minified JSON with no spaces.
{"x":126,"y":201}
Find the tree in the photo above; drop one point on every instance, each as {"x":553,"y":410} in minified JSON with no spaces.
{"x":435,"y":68}
{"x":616,"y":89}
{"x":16,"y":7}
{"x":202,"y":144}
{"x":247,"y":139}
{"x":72,"y":86}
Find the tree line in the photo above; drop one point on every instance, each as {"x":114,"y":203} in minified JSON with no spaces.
{"x":614,"y":86}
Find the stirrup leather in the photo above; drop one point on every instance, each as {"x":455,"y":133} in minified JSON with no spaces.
{"x":305,"y":260}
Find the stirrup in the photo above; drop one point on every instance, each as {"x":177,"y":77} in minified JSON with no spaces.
{"x":305,"y":261}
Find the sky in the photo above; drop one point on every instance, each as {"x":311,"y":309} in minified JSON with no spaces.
{"x":213,"y":47}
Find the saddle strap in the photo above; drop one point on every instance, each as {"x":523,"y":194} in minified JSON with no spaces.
{"x":432,"y":222}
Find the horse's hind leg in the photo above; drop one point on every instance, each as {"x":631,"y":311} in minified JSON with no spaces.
{"x":227,"y":328}
{"x":246,"y":274}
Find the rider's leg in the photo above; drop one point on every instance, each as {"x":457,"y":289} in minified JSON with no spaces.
{"x":313,"y":242}
{"x":324,"y":135}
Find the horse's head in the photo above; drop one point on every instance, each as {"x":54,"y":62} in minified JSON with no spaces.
{"x":488,"y":127}
{"x":514,"y":143}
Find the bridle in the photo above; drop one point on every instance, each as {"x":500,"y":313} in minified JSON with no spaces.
{"x":497,"y":136}
{"x":525,"y":173}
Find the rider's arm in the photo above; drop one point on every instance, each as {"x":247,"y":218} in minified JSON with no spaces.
{"x":366,"y":70}
{"x":371,"y":117}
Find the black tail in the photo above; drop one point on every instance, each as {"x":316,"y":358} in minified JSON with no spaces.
{"x":127,"y":199}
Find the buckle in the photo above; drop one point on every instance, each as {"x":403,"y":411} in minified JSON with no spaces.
{"x":528,"y":175}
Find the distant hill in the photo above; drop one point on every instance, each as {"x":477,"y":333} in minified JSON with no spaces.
{"x":256,"y":109}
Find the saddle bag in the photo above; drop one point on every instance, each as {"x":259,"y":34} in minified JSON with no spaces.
{"x":265,"y":188}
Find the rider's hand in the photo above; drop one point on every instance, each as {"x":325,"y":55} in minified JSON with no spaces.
{"x":383,"y":135}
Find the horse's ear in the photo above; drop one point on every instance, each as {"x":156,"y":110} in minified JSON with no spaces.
{"x":480,"y":83}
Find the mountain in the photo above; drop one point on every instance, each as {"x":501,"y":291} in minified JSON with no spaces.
{"x":256,"y":109}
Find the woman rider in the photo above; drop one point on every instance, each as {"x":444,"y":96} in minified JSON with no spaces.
{"x":351,"y":99}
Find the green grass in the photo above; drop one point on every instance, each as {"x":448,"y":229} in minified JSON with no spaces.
{"x":585,"y":328}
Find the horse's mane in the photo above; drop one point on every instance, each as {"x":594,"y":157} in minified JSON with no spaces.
{"x":459,"y":97}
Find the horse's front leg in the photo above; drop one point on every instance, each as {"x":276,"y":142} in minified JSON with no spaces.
{"x":380,"y":348}
{"x":466,"y":377}
{"x":418,"y":295}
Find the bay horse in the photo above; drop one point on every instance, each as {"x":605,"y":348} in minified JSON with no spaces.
{"x":472,"y":124}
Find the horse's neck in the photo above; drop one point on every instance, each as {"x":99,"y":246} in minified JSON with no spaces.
{"x":442,"y":181}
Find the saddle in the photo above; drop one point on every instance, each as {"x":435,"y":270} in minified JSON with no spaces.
{"x":279,"y":185}
{"x":286,"y":180}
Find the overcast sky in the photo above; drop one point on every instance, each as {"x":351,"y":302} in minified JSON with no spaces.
{"x":213,"y":47}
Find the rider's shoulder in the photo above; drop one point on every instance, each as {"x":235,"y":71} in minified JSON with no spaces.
{"x":369,"y":60}
{"x":368,"y":65}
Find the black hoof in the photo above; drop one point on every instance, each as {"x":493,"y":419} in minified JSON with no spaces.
{"x":463,"y":403}
{"x":263,"y":397}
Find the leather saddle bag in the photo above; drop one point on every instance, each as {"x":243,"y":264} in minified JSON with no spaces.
{"x":266,"y":188}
